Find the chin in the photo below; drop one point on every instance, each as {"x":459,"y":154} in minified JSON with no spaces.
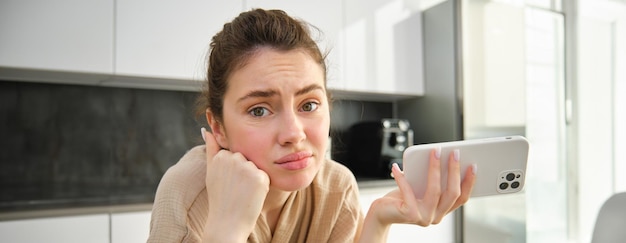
{"x":293,"y":184}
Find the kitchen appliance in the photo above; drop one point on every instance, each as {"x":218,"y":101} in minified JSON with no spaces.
{"x":375,"y":145}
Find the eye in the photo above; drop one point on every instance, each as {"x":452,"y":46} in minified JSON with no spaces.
{"x":259,"y":111}
{"x":310,"y":106}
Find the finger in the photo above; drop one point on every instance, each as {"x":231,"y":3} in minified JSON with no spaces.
{"x":466,"y":186}
{"x":403,"y":185}
{"x":453,"y":188}
{"x":433,"y":188}
{"x":211,"y":144}
{"x":410,"y":209}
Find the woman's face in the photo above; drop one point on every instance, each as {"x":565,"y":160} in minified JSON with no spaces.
{"x":276,"y":114}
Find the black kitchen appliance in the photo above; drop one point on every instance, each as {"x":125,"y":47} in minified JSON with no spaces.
{"x":375,"y":145}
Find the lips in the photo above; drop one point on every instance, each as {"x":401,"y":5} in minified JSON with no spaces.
{"x":295,"y":161}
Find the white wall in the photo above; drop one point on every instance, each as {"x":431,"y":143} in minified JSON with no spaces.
{"x":600,"y":111}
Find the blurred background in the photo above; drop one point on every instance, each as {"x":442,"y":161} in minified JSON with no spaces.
{"x":97,"y":101}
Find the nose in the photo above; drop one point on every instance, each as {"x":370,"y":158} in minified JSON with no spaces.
{"x":291,"y":129}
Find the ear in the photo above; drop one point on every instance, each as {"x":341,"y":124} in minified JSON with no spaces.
{"x":217,"y":129}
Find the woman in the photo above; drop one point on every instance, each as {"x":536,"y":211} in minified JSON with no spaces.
{"x":262,"y":175}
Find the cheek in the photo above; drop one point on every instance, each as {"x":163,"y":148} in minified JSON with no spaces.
{"x":252,"y":143}
{"x":318,"y":133}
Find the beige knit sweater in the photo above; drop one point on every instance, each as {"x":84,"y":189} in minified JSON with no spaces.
{"x":328,"y":210}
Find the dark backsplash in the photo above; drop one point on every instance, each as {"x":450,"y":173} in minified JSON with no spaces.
{"x":346,"y":113}
{"x":67,"y":142}
{"x":72,"y":145}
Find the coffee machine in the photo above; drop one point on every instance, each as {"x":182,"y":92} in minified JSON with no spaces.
{"x":375,"y":145}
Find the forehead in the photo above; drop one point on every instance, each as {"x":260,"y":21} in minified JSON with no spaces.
{"x":263,"y":54}
{"x":267,"y":65}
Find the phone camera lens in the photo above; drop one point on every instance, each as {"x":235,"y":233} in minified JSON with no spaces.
{"x":515,"y":185}
{"x":504,"y":185}
{"x":510,"y":177}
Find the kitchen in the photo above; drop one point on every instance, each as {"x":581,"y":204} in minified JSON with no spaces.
{"x":147,"y":55}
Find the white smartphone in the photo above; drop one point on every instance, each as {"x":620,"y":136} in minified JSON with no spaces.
{"x":501,"y":164}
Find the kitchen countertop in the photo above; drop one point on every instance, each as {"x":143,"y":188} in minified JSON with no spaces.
{"x":130,"y":201}
{"x":32,"y":201}
{"x":74,"y":211}
{"x":375,"y":183}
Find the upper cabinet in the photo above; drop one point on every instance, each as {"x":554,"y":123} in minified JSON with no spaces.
{"x":62,"y":35}
{"x":373,"y":46}
{"x":170,"y":38}
{"x":327,"y":17}
{"x":383,"y":47}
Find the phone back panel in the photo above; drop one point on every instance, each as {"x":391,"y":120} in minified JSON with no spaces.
{"x":501,"y":164}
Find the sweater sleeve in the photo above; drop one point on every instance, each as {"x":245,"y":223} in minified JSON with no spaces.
{"x":350,"y":219}
{"x":181,"y":186}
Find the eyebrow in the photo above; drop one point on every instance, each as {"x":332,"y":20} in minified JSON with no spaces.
{"x":309,"y":89}
{"x":271,"y":92}
{"x":258,"y":94}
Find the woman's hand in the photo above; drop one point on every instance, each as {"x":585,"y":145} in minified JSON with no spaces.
{"x":401,"y":206}
{"x":236,"y":191}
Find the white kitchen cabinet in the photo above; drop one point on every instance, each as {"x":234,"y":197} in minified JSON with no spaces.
{"x":373,"y":46}
{"x":63,"y":35}
{"x":168,"y":39}
{"x":398,"y":233}
{"x":383,"y":47}
{"x":72,"y":229}
{"x":130,"y":227}
{"x":327,"y":16}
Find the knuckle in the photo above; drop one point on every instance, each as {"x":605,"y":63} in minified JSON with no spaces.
{"x":414,"y":216}
{"x":258,"y":175}
{"x":463,"y":198}
{"x":218,"y":155}
{"x":238,"y":156}
{"x":423,"y":223}
{"x":437,"y":220}
{"x":261,"y":177}
{"x":454,"y":193}
{"x":435,"y":192}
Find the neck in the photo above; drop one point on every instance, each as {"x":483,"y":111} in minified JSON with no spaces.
{"x":275,"y":200}
{"x":273,"y":206}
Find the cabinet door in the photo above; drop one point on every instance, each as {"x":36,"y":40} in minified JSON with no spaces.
{"x":64,"y":35}
{"x":327,"y":16}
{"x":130,"y":227}
{"x":384,"y":47}
{"x":78,"y":229}
{"x":169,"y":38}
{"x":440,"y":233}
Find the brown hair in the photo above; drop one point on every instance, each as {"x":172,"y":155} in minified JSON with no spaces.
{"x":240,"y":39}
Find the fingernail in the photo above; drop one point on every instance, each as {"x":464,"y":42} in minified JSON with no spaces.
{"x":203,"y":131}
{"x":457,"y":155}
{"x":474,"y":168}
{"x":396,"y":166}
{"x":438,"y":153}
